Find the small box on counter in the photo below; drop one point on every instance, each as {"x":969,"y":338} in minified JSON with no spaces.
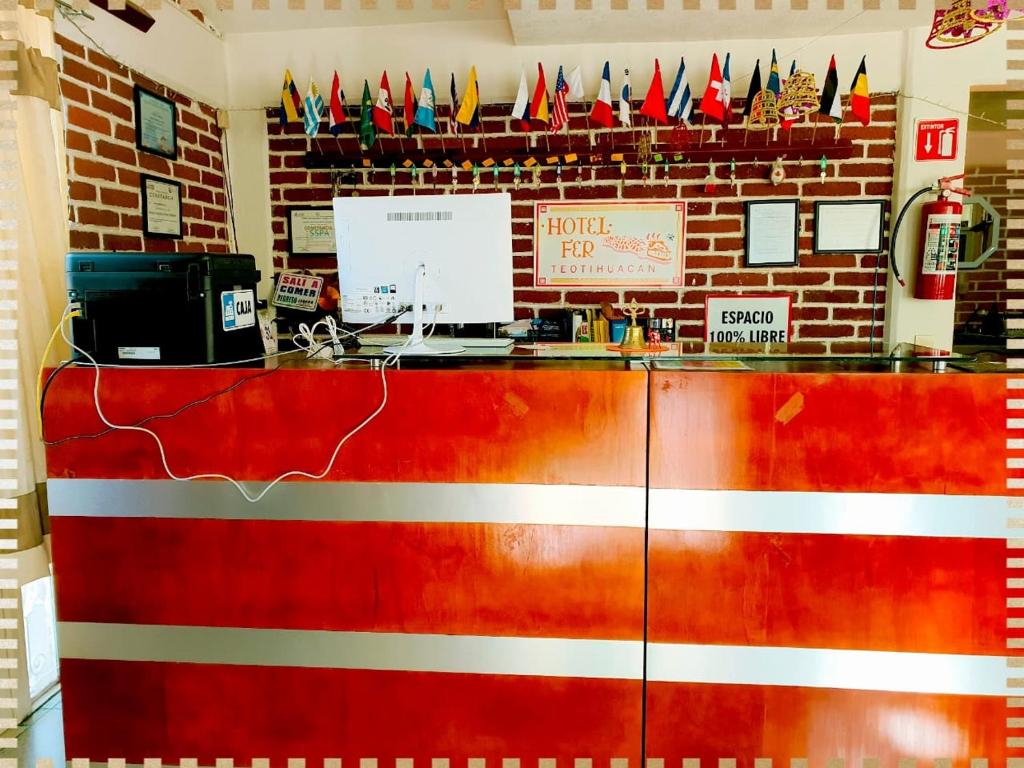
{"x":664,"y":326}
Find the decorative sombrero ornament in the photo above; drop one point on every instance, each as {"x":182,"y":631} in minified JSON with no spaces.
{"x":997,"y":12}
{"x":799,"y":96}
{"x":960,"y":25}
{"x":764,"y":111}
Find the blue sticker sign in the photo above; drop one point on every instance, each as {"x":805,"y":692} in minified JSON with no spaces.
{"x":237,"y":309}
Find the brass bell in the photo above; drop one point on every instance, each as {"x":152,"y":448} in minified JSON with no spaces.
{"x":633,"y":338}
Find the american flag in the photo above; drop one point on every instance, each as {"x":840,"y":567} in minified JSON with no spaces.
{"x":560,"y":115}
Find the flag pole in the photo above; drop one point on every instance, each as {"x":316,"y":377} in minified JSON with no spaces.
{"x":814,"y":129}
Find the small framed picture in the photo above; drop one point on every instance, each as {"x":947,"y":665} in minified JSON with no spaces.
{"x":156,"y":124}
{"x":161,"y":207}
{"x":771,"y":234}
{"x":311,"y":231}
{"x":849,"y":226}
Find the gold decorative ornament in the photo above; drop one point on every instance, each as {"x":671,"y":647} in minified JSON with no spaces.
{"x":799,"y":96}
{"x":961,"y":25}
{"x":764,"y":111}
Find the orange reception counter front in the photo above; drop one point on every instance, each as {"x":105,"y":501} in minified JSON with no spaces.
{"x":533,"y":562}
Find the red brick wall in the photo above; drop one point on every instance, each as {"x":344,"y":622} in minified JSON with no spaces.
{"x":979,"y":289}
{"x":104,"y":166}
{"x":832,"y":293}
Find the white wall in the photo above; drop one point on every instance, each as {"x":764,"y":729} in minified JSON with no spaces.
{"x":177,"y":51}
{"x":248,"y":168}
{"x":941,"y":82}
{"x":256,"y":62}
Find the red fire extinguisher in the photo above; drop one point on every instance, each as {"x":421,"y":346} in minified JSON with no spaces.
{"x":938,"y":248}
{"x":939,"y":244}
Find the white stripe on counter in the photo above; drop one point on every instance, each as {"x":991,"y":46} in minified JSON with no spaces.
{"x":622,"y":659}
{"x":869,"y":514}
{"x":548,"y":657}
{"x":828,"y":668}
{"x":362,"y":502}
{"x":872,"y":514}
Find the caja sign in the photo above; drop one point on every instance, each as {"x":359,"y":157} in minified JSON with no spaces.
{"x":747,"y":318}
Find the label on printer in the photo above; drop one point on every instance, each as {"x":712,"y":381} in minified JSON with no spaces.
{"x":138,"y":353}
{"x":238,"y":309}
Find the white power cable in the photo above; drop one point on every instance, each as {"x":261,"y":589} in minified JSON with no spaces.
{"x":390,"y":360}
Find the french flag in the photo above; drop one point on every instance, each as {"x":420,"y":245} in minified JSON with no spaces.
{"x":601,"y":113}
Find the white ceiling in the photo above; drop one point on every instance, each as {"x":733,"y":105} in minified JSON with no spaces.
{"x":279,"y":16}
{"x":603,"y":25}
{"x":563,"y":24}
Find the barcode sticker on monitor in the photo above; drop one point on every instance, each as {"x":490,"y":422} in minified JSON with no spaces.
{"x":420,"y":216}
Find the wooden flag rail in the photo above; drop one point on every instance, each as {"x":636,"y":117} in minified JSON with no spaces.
{"x":718,"y":153}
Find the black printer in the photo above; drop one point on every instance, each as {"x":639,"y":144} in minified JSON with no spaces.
{"x":165,"y":308}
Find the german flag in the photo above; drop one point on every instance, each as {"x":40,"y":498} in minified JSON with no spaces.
{"x":860,"y":99}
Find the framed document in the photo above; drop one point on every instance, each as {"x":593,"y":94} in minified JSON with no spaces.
{"x":848,"y":226}
{"x":156,"y":124}
{"x":311,"y":230}
{"x":161,"y":207}
{"x":771,"y":233}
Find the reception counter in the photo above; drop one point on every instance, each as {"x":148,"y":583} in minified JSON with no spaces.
{"x":532,"y":560}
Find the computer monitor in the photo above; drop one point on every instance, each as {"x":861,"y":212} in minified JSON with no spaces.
{"x":447,"y":256}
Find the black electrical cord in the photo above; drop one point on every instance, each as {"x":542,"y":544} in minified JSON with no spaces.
{"x":155,"y":417}
{"x":892,"y":261}
{"x":92,"y":436}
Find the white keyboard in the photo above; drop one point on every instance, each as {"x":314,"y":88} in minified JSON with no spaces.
{"x":441,"y":342}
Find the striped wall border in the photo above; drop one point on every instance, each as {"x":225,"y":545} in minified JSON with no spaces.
{"x":443,"y":6}
{"x":507,"y":762}
{"x":9,"y":382}
{"x":1015,"y":400}
{"x":9,"y":180}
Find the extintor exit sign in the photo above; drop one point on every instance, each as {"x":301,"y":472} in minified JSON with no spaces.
{"x":937,"y":139}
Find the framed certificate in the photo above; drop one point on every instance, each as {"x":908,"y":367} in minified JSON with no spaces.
{"x":311,"y":231}
{"x":848,"y":226}
{"x":771,"y":233}
{"x":161,"y":207}
{"x":156,"y":124}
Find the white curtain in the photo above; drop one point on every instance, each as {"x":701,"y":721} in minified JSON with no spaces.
{"x":33,"y":241}
{"x":41,"y":225}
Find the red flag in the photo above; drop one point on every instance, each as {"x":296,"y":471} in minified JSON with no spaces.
{"x":539,"y":105}
{"x":654,"y":103}
{"x":409,"y":107}
{"x":382,"y":109}
{"x":337,"y":110}
{"x":711,"y":104}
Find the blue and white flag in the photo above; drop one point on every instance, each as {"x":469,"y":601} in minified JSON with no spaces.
{"x":625,"y":109}
{"x":680,"y":101}
{"x":314,"y":109}
{"x":425,"y":117}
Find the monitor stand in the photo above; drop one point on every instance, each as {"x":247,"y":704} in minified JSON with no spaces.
{"x":416,"y":345}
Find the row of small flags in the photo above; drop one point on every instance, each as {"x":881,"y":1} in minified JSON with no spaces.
{"x":715,"y":104}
